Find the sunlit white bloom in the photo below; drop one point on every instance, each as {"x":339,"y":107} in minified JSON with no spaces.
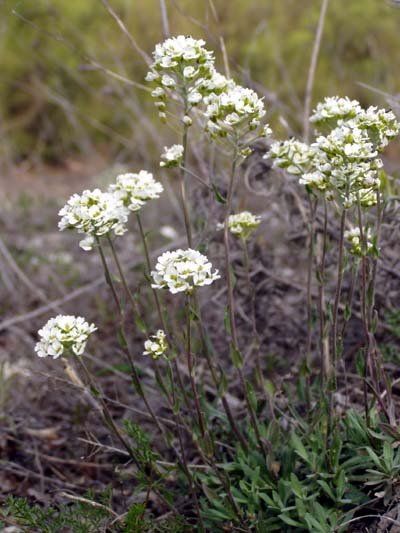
{"x":135,"y":189}
{"x":181,"y":64}
{"x":172,"y":156}
{"x":315,"y":180}
{"x":382,"y":126}
{"x":353,"y":236}
{"x":242,"y":224}
{"x":183,"y":271}
{"x":63,"y":334}
{"x":156,"y":345}
{"x":292,"y":155}
{"x":94,"y":213}
{"x":335,"y":108}
{"x":236,"y":111}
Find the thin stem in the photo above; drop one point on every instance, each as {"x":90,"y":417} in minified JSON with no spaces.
{"x":231,"y":301}
{"x":323,"y":344}
{"x":159,"y":310}
{"x":184,"y":201}
{"x":313,"y":66}
{"x":307,"y":357}
{"x":108,"y":277}
{"x":121,"y":273}
{"x":209,"y":356}
{"x":338,"y":290}
{"x":190,"y":364}
{"x":256,"y":337}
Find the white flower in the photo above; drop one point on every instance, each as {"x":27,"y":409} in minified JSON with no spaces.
{"x":183,"y":271}
{"x":135,"y":189}
{"x":172,"y":156}
{"x":94,"y":213}
{"x":236,"y":111}
{"x":334,"y":109}
{"x":64,"y":333}
{"x":242,"y":224}
{"x":156,"y":345}
{"x":381,"y":125}
{"x":353,"y":236}
{"x":181,"y":64}
{"x":292,"y":155}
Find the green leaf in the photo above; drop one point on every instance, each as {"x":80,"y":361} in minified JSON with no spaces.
{"x":299,"y":447}
{"x":236,"y":356}
{"x":217,"y":195}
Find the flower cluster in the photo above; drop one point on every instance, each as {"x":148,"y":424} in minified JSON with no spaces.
{"x":234,"y":112}
{"x":183,"y":271}
{"x":181,"y":64}
{"x":292,"y":155}
{"x":135,"y":189}
{"x":64,"y":333}
{"x":242,"y":224}
{"x":344,"y":163}
{"x":156,"y":345}
{"x":334,"y":108}
{"x":381,"y":125}
{"x":353,"y":236}
{"x":172,"y":156}
{"x":94,"y":213}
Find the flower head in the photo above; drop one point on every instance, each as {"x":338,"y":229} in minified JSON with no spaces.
{"x":135,"y":189}
{"x":334,"y":108}
{"x":172,"y":156}
{"x":183,"y":271}
{"x":292,"y":155}
{"x":94,"y":213}
{"x":242,"y":224}
{"x":156,"y":345}
{"x":235,"y":111}
{"x":64,"y":333}
{"x":353,"y":236}
{"x":181,"y":64}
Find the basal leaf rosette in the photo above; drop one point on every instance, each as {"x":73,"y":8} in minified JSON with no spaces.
{"x":63,"y":335}
{"x":135,"y":189}
{"x":183,"y":271}
{"x":94,"y":213}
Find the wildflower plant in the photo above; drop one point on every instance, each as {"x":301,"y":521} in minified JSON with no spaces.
{"x":268,"y":476}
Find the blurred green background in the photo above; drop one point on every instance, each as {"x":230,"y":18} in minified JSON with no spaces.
{"x":54,"y":102}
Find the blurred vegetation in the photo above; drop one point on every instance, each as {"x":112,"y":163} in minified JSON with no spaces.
{"x":53,"y":101}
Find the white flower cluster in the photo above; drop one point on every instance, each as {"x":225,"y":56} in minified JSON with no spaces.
{"x":343,"y":164}
{"x":181,"y":64}
{"x":135,"y":189}
{"x":94,"y":213}
{"x":334,"y":108}
{"x":353,"y":236}
{"x":64,"y":333}
{"x":183,"y":271}
{"x":381,"y":125}
{"x":292,"y":155}
{"x":242,"y":224}
{"x":235,"y":112}
{"x":172,"y":156}
{"x":156,"y":345}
